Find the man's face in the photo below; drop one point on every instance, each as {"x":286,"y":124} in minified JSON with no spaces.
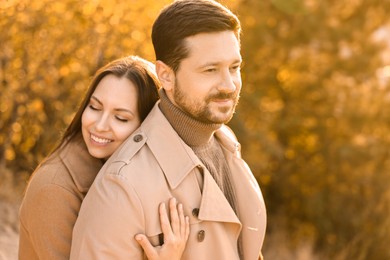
{"x":208,"y":81}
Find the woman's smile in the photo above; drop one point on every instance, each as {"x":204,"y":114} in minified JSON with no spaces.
{"x":100,"y":140}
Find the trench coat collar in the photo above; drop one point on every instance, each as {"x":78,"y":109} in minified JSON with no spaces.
{"x":172,"y":154}
{"x":82,"y":167}
{"x":177,"y":160}
{"x":214,"y":205}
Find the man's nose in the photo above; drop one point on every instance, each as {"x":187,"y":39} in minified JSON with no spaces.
{"x":228,"y":82}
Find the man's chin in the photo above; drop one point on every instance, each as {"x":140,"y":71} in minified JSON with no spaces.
{"x":222,"y":118}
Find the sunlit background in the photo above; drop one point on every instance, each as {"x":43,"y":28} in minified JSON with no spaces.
{"x":313,"y":119}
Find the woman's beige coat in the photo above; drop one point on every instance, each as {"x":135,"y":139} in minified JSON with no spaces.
{"x":52,"y":202}
{"x":153,"y":165}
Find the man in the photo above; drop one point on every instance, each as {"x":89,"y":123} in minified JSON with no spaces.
{"x":182,"y":150}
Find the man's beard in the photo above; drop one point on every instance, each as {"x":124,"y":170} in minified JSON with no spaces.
{"x":200,"y":110}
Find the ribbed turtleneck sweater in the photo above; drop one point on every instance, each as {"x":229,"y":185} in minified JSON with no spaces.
{"x":200,"y":137}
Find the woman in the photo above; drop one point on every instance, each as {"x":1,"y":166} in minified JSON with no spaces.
{"x":120,"y":96}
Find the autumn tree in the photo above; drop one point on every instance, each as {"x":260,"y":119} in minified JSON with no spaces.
{"x":314,"y":116}
{"x":50,"y":50}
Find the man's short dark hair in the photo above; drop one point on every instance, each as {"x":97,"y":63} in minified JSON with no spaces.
{"x":184,"y":18}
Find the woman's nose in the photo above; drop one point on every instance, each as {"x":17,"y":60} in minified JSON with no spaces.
{"x":102,"y":123}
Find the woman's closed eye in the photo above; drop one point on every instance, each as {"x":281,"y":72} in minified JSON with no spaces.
{"x":93,"y":107}
{"x":122,"y":119}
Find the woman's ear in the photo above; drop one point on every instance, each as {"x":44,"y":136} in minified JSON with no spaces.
{"x":166,"y":75}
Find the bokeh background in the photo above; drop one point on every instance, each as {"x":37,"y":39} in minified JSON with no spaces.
{"x":313,"y":119}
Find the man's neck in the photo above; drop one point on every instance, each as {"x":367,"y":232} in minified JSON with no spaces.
{"x":193,"y":132}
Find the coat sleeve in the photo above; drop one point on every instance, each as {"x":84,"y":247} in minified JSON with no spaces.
{"x":47,"y":217}
{"x":110,"y":216}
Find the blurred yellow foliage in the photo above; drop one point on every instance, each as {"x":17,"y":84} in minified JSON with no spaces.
{"x":313,"y":119}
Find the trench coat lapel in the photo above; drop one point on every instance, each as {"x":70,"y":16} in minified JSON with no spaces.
{"x":173,"y":155}
{"x":177,"y":160}
{"x":251,"y":213}
{"x":250,"y":202}
{"x":214,"y":205}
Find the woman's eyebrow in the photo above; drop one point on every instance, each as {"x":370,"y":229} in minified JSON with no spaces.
{"x":124,"y":110}
{"x":96,"y":99}
{"x":117,"y":109}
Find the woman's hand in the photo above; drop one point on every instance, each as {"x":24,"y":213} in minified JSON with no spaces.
{"x":175,"y":234}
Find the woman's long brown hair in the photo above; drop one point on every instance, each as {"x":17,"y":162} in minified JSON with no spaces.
{"x":139,"y":71}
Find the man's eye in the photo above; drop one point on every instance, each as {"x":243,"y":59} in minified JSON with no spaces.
{"x":235,"y":68}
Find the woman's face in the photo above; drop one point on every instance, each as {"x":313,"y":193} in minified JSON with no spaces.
{"x":111,"y":116}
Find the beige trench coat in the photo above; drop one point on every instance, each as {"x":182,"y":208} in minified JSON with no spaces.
{"x":153,"y":165}
{"x":52,"y":202}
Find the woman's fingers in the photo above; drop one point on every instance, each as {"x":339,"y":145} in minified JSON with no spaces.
{"x":149,"y":249}
{"x":176,"y":225}
{"x":176,"y":231}
{"x":186,"y":228}
{"x":164,"y":221}
{"x":183,"y":222}
{"x":175,"y":218}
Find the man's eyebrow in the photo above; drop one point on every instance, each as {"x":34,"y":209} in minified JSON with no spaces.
{"x":216,"y":63}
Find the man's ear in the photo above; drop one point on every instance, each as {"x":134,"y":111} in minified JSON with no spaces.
{"x":166,"y":75}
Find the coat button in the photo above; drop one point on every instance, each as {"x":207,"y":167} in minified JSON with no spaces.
{"x":195,"y":212}
{"x":137,"y":138}
{"x":201,"y":235}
